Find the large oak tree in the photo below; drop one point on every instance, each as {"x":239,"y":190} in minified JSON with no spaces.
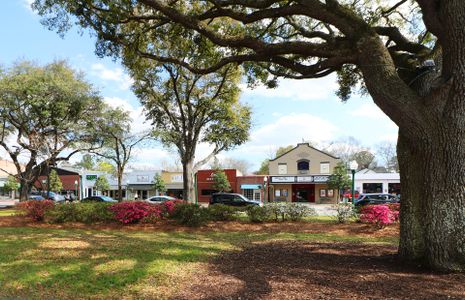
{"x":416,"y":77}
{"x":47,"y":114}
{"x":186,"y":109}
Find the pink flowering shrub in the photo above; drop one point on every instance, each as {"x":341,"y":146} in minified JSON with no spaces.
{"x":395,"y":210}
{"x":168,"y":207}
{"x":36,"y":209}
{"x":136,"y":211}
{"x":380,"y":215}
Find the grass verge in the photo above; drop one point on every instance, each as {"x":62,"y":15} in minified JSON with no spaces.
{"x":106,"y":264}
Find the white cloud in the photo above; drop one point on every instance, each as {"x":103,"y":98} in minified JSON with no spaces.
{"x":369,"y":110}
{"x":27,"y":4}
{"x":286,"y":130}
{"x":292,"y":128}
{"x":117,"y":75}
{"x":297,"y":90}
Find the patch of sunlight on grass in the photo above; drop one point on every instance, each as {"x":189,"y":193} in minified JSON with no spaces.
{"x":14,"y":285}
{"x":71,"y":267}
{"x":99,"y":256}
{"x":60,"y":243}
{"x":9,"y":212}
{"x":115,"y":266}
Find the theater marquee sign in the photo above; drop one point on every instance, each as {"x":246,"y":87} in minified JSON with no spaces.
{"x":300,"y":179}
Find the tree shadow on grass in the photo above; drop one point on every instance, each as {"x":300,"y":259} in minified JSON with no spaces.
{"x":66,"y":264}
{"x":311,"y":270}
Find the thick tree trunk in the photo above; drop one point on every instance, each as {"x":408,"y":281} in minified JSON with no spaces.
{"x":23,"y":190}
{"x":433,"y":198}
{"x":412,"y":217}
{"x":120,"y":186}
{"x":188,"y":176}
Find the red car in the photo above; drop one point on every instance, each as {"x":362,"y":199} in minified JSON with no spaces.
{"x":348,"y":195}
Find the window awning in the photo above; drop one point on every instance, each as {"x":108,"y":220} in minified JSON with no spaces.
{"x":251,"y":186}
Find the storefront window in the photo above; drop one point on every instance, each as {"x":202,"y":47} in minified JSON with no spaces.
{"x":372,"y":187}
{"x":248,"y":194}
{"x":394,"y":188}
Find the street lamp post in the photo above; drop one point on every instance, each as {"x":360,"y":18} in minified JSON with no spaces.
{"x":76,"y":188}
{"x":353,"y":167}
{"x":265,"y":188}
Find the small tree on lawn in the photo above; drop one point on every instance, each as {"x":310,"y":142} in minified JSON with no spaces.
{"x":55,"y":182}
{"x":220,"y":181}
{"x":339,"y":179}
{"x":11,"y":184}
{"x":159,"y":184}
{"x":101,"y":184}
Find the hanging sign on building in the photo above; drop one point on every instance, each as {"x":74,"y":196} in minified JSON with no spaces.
{"x":304,"y":178}
{"x":282,"y":179}
{"x":299,"y":179}
{"x":320,"y":178}
{"x":177,"y":178}
{"x":91,"y":177}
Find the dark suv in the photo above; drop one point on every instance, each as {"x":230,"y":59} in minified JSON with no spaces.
{"x":231,"y":199}
{"x":365,"y":199}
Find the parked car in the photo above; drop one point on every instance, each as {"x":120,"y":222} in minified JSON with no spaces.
{"x":376,"y":198}
{"x":35,"y":197}
{"x":99,"y":199}
{"x":53,"y":196}
{"x":232,"y":199}
{"x":160,"y":199}
{"x":348,"y":195}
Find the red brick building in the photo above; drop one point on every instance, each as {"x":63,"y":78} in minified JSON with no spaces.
{"x":252,"y":187}
{"x":70,"y":180}
{"x":205,"y":183}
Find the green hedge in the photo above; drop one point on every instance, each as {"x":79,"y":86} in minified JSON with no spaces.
{"x":80,"y":212}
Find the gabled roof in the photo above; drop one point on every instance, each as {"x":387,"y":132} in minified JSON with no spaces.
{"x":308,"y":145}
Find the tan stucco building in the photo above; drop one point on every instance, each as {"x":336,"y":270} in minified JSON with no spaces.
{"x":300,"y":175}
{"x":174,"y":183}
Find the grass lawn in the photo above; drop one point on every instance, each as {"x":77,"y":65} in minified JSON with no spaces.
{"x":80,"y":263}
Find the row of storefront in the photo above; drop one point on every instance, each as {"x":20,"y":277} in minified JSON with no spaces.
{"x":299,"y":175}
{"x":136,"y":184}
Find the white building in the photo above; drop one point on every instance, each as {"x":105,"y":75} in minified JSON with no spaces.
{"x":368,"y":181}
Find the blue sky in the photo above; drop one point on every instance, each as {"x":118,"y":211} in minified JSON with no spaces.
{"x":296,"y":111}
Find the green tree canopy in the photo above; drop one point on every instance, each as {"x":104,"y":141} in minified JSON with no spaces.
{"x":119,"y":142}
{"x":159,"y":184}
{"x":187,"y":109}
{"x":11,"y":184}
{"x":339,"y":179}
{"x":101,"y":184}
{"x":87,"y":162}
{"x":48,"y":112}
{"x":55,"y":182}
{"x":220,"y":181}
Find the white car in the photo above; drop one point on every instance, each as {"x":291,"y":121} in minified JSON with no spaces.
{"x":160,"y":199}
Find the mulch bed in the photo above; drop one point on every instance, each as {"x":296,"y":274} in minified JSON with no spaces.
{"x":354,"y":229}
{"x":309,"y":270}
